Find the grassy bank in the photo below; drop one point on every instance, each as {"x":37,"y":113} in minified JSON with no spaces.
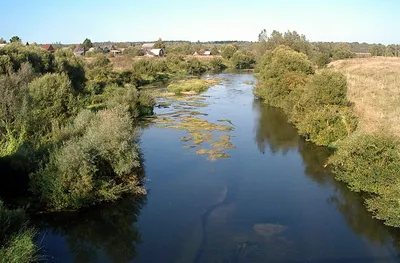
{"x":373,"y":87}
{"x":352,"y":108}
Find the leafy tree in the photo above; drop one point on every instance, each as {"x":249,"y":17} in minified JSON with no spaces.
{"x":159,"y":44}
{"x":15,"y":39}
{"x":243,"y":59}
{"x":228,"y":51}
{"x":263,"y":36}
{"x":343,"y":53}
{"x":322,"y":59}
{"x":87,"y":43}
{"x":2,"y":41}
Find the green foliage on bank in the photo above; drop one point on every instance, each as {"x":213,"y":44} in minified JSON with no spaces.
{"x":195,"y":86}
{"x":315,"y":103}
{"x":370,"y":163}
{"x":16,"y":237}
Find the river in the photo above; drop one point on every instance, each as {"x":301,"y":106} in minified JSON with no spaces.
{"x":266,"y":198}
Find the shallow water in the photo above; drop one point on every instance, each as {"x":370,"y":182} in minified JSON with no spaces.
{"x":272,"y":200}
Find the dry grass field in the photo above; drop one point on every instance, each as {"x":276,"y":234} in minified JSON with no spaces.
{"x":374,"y":88}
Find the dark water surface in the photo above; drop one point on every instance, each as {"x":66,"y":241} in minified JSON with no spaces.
{"x":271,"y":201}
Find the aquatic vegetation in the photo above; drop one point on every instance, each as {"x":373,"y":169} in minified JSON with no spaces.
{"x":269,"y":230}
{"x":249,"y":82}
{"x":199,"y":130}
{"x":191,"y":86}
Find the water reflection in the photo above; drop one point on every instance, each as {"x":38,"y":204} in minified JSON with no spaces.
{"x":275,"y":133}
{"x":103,"y":233}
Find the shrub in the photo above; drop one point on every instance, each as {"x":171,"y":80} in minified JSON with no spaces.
{"x":228,"y":51}
{"x":217,"y":65}
{"x":278,"y":67}
{"x":326,"y":125}
{"x":52,"y":101}
{"x":97,"y":166}
{"x":243,"y":59}
{"x":16,"y":237}
{"x":371,"y":163}
{"x":149,"y":67}
{"x":342,"y":53}
{"x":322,"y":59}
{"x":195,"y":67}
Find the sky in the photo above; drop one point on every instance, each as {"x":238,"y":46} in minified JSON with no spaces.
{"x":50,"y":21}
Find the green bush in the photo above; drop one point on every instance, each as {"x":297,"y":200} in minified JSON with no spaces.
{"x":371,"y":163}
{"x":281,"y":71}
{"x":16,"y":237}
{"x":149,"y":67}
{"x":243,"y":59}
{"x":94,"y":166}
{"x":228,"y":51}
{"x":326,"y":125}
{"x":217,"y":65}
{"x":137,"y":103}
{"x":342,"y":53}
{"x":195,"y":67}
{"x":53,"y":101}
{"x":322,"y":59}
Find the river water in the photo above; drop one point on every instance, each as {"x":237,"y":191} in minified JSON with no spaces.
{"x":269,"y":199}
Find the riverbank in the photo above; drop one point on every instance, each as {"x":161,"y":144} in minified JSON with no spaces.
{"x":318,"y":104}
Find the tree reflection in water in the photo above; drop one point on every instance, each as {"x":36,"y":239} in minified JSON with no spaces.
{"x":107,"y":230}
{"x":273,"y":131}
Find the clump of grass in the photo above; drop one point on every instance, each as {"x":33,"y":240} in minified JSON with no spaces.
{"x":190,"y":86}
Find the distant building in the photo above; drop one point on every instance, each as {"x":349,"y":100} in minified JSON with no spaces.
{"x":47,"y":47}
{"x":108,"y":48}
{"x":205,"y":53}
{"x":116,"y":52}
{"x":155,"y":52}
{"x":79,"y":51}
{"x":2,"y":45}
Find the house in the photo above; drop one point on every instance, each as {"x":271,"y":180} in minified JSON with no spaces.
{"x":79,"y":51}
{"x":108,"y":48}
{"x":47,"y":47}
{"x":207,"y":53}
{"x":155,"y":52}
{"x":2,"y":45}
{"x":116,"y":52}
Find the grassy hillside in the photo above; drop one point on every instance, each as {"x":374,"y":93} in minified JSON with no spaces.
{"x":374,"y":88}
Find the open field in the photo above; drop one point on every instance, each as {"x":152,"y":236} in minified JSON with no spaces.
{"x":374,"y":88}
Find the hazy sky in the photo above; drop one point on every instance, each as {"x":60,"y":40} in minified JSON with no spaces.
{"x":48,"y":21}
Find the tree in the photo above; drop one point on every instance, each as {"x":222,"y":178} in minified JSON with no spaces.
{"x":15,"y":39}
{"x":2,"y":41}
{"x":87,"y":43}
{"x":228,"y":51}
{"x":159,"y":44}
{"x":263,"y":36}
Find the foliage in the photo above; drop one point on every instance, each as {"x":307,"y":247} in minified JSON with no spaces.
{"x":14,"y":109}
{"x":217,"y":64}
{"x":159,"y":44}
{"x":87,"y":43}
{"x":133,"y":51}
{"x":16,"y":237}
{"x":148,"y":67}
{"x":40,"y":59}
{"x":195,"y":67}
{"x":96,"y":163}
{"x":371,"y":163}
{"x":52,"y":100}
{"x":342,"y":53}
{"x":137,"y":103}
{"x":243,"y":59}
{"x":322,"y":59}
{"x":228,"y":51}
{"x":281,"y":71}
{"x":192,"y":85}
{"x":15,"y":39}
{"x":73,"y":66}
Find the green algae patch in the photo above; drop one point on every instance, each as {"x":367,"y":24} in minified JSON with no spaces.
{"x":191,"y":86}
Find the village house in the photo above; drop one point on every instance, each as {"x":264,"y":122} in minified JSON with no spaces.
{"x":47,"y":47}
{"x":79,"y":51}
{"x":2,"y":45}
{"x":108,"y":48}
{"x":150,"y":51}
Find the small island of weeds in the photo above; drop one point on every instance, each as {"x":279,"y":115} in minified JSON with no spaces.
{"x":191,"y":86}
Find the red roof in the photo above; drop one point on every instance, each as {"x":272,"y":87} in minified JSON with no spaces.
{"x":48,"y":47}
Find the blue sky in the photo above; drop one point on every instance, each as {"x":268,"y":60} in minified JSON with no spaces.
{"x":48,"y":21}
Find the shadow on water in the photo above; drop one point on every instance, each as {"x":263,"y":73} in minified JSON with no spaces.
{"x":275,"y":133}
{"x":104,"y":233}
